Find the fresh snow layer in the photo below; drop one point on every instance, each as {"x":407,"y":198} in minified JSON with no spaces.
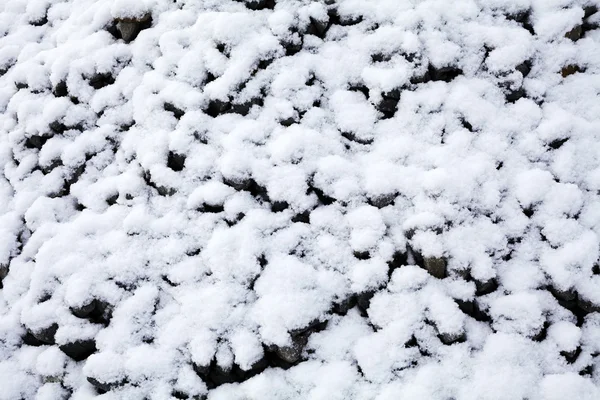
{"x":294,"y":199}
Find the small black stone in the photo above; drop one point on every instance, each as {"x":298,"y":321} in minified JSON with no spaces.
{"x":100,"y":80}
{"x":46,"y":335}
{"x":36,"y":141}
{"x":217,"y":107}
{"x":524,"y":68}
{"x":177,"y":112}
{"x":175,"y":161}
{"x":317,"y":27}
{"x":84,"y":310}
{"x":279,"y":206}
{"x":61,"y":89}
{"x":303,"y":217}
{"x":557,"y":144}
{"x":79,"y":350}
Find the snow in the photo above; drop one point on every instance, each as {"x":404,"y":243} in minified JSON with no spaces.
{"x":294,"y":199}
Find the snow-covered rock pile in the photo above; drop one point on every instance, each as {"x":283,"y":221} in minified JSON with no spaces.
{"x":294,"y":199}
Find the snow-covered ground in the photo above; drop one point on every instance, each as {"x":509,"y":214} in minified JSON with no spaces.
{"x":294,"y":199}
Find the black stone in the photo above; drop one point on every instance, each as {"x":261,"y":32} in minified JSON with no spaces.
{"x":100,"y":80}
{"x":211,"y":208}
{"x":575,"y":33}
{"x":342,"y":307}
{"x":175,"y":161}
{"x":363,"y":300}
{"x":36,"y":141}
{"x":323,"y":198}
{"x":61,"y":89}
{"x":557,"y":144}
{"x":31,"y":340}
{"x":353,"y":138}
{"x":362,"y":255}
{"x":177,"y":112}
{"x":524,"y":68}
{"x":317,"y":27}
{"x":129,"y":29}
{"x":512,"y":96}
{"x":79,"y":350}
{"x":303,"y":217}
{"x":279,"y":206}
{"x":46,"y":335}
{"x":217,"y":107}
{"x":85,"y":310}
{"x":487,"y":287}
{"x":571,"y":356}
{"x":445,"y":74}
{"x":256,"y":5}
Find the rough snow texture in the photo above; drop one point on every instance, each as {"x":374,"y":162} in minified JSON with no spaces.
{"x":293,"y":199}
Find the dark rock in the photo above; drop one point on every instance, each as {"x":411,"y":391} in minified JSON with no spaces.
{"x":31,"y":340}
{"x":542,"y":334}
{"x":342,"y":307}
{"x":451,"y":338}
{"x":529,"y":211}
{"x":587,"y":305}
{"x":353,"y":138}
{"x":162,"y":190}
{"x":3,"y":273}
{"x":40,"y":21}
{"x":211,"y":208}
{"x":293,"y":46}
{"x":487,"y":287}
{"x":303,"y":217}
{"x":363,"y":300}
{"x":523,"y":18}
{"x":445,"y":74}
{"x":362,"y":255}
{"x":103,"y":387}
{"x":575,"y":33}
{"x":388,"y":107}
{"x":279,"y":206}
{"x":398,"y":260}
{"x":288,"y":121}
{"x":571,"y":356}
{"x":323,"y":198}
{"x":238,"y":183}
{"x":361,"y":89}
{"x":380,"y":57}
{"x":85,"y":310}
{"x":79,"y":350}
{"x":256,"y":5}
{"x":512,"y":96}
{"x":524,"y":68}
{"x":177,"y":112}
{"x":112,"y":199}
{"x":557,"y":143}
{"x":61,"y":89}
{"x":317,"y":27}
{"x":46,"y":335}
{"x":383,"y":200}
{"x":129,"y":28}
{"x":217,"y":107}
{"x":244,"y":108}
{"x":36,"y":141}
{"x":175,"y":161}
{"x":100,"y":80}
{"x":436,"y":266}
{"x":570,"y":70}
